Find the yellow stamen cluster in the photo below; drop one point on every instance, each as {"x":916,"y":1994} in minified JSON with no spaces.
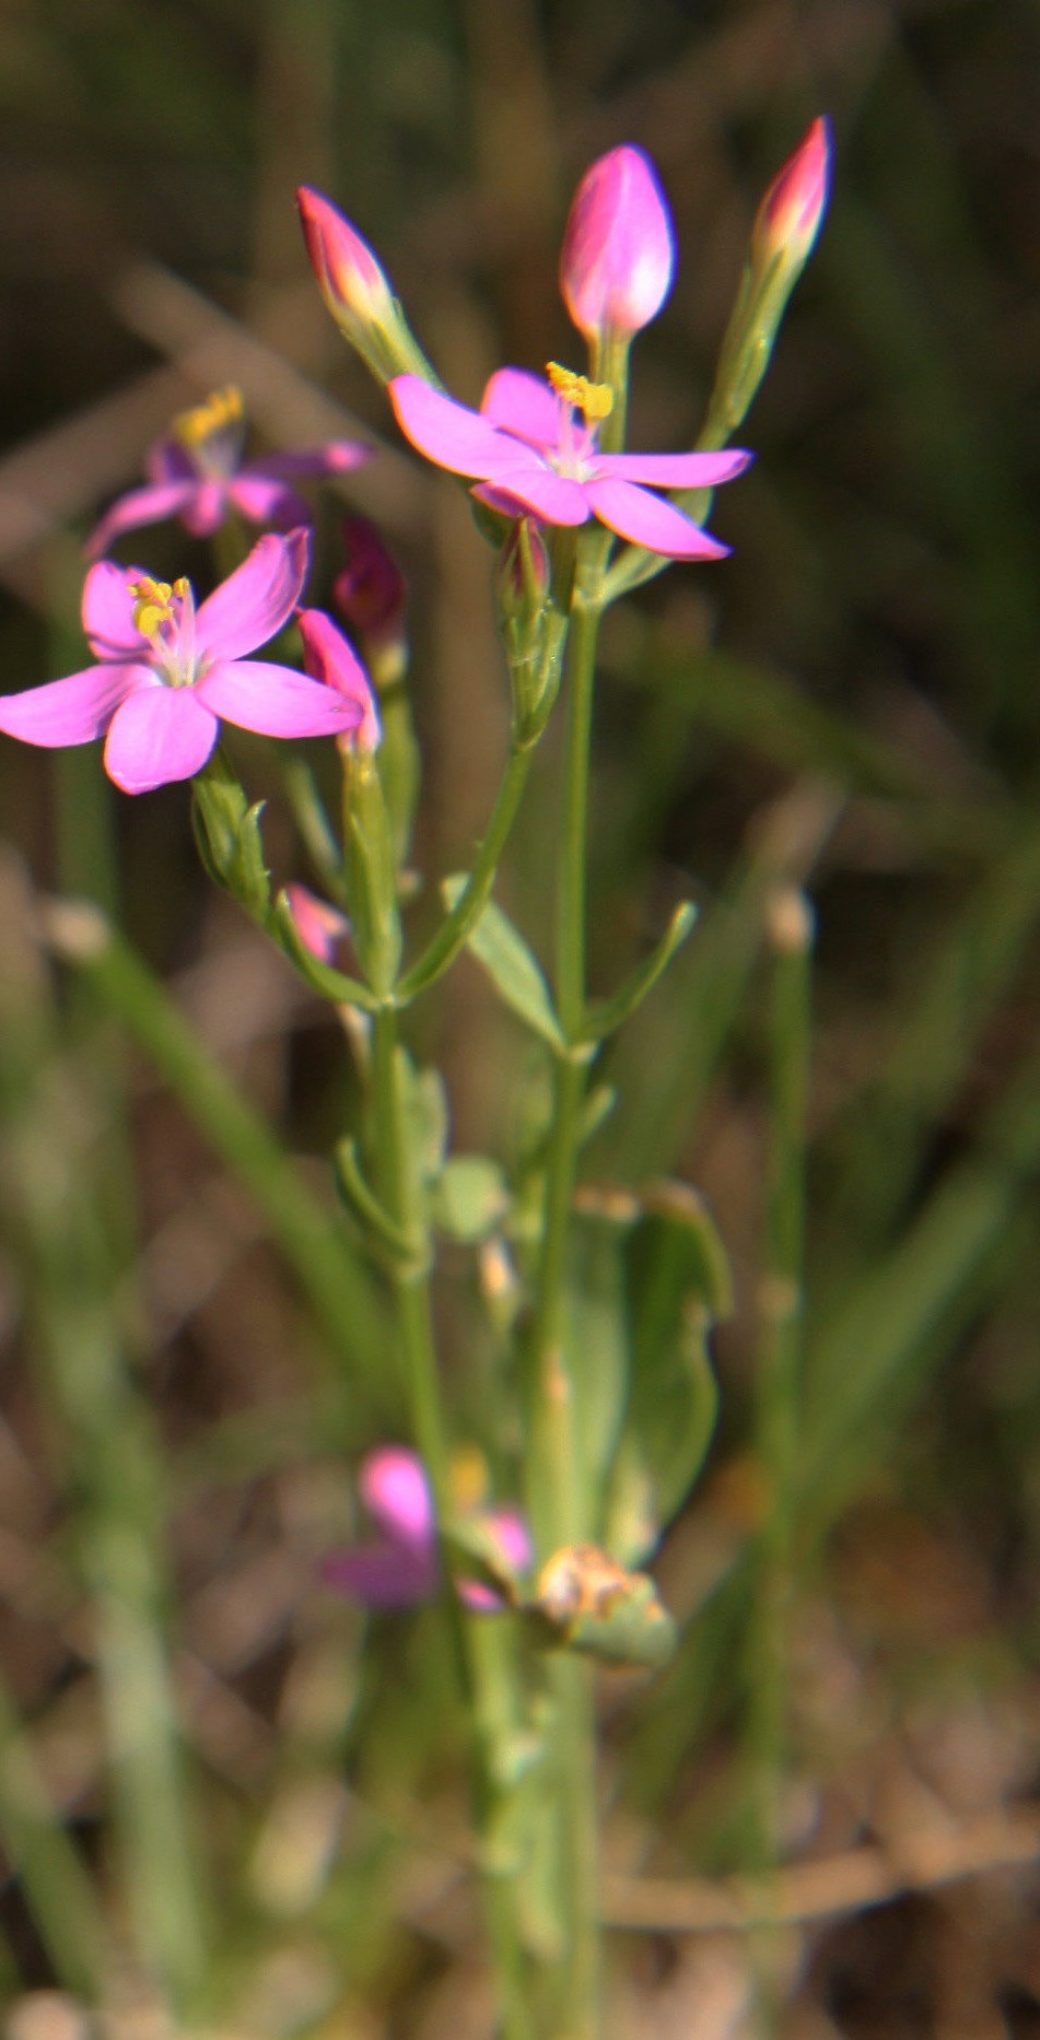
{"x":153,"y":602}
{"x":594,"y":400}
{"x":221,"y":409}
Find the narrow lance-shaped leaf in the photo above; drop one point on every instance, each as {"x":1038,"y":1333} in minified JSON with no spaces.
{"x":510,"y":965}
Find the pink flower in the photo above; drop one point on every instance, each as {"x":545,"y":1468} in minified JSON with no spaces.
{"x":400,"y":1567}
{"x":165,"y":672}
{"x":618,"y":246}
{"x":788,"y":219}
{"x":197,"y":473}
{"x":328,"y":657}
{"x":532,"y":446}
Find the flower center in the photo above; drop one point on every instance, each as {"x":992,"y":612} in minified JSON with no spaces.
{"x":578,"y":398}
{"x":165,"y":614}
{"x":212,"y":432}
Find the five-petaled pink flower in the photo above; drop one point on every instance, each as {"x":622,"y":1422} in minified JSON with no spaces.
{"x":400,"y":1567}
{"x":167,"y":672}
{"x":618,"y":246}
{"x":532,"y":447}
{"x":197,"y":473}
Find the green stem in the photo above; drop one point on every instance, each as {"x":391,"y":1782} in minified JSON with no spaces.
{"x":556,"y":1485}
{"x":778,"y":1390}
{"x":401,"y":1191}
{"x":452,"y":934}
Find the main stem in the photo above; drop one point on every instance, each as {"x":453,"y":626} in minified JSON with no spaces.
{"x":558,"y":1488}
{"x":401,"y":1192}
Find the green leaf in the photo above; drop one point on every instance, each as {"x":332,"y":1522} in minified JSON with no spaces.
{"x":677,"y":1283}
{"x":609,"y":1014}
{"x":596,"y":1340}
{"x":470,"y":1198}
{"x":510,"y":965}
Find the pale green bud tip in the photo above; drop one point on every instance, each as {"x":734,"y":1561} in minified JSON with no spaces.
{"x":788,"y":219}
{"x":349,"y":277}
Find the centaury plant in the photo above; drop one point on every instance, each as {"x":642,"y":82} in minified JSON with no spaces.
{"x":601,"y":1305}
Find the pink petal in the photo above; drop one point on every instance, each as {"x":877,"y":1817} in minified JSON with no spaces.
{"x":72,"y":711}
{"x":618,"y":248}
{"x":519,"y":486}
{"x":207,"y":509}
{"x":382,"y":1575}
{"x":107,"y":610}
{"x":480,"y":1599}
{"x":266,"y":500}
{"x":138,"y":506}
{"x":329,"y":658}
{"x":509,"y":1528}
{"x":396,"y":1493}
{"x":158,"y":734}
{"x":634,"y":513}
{"x":254,"y":601}
{"x":169,"y":461}
{"x":275,"y":701}
{"x":448,"y":433}
{"x":523,"y":404}
{"x":336,"y":457}
{"x":674,"y":470}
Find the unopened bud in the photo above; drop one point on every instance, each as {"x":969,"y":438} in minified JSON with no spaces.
{"x":320,"y":926}
{"x":357,"y":290}
{"x":788,"y":219}
{"x":618,"y":247}
{"x":524,"y":576}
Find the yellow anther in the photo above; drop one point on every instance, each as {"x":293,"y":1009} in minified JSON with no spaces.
{"x":153,"y":603}
{"x":594,"y":400}
{"x":221,"y":409}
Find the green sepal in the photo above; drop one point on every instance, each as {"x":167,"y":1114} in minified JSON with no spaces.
{"x":227,"y":832}
{"x":607,"y":1015}
{"x":470,"y":1198}
{"x":426,"y":1102}
{"x":510,"y":965}
{"x":321,"y":977}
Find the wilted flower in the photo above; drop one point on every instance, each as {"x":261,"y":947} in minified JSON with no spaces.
{"x":532,"y":446}
{"x":618,"y":247}
{"x":370,"y":595}
{"x":400,"y":1567}
{"x":166,"y":672}
{"x":197,"y":473}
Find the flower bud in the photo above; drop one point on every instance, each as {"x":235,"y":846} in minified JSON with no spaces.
{"x":370,"y":596}
{"x":328,"y":657}
{"x":320,"y":926}
{"x":357,"y":290}
{"x":618,"y":246}
{"x":788,"y":219}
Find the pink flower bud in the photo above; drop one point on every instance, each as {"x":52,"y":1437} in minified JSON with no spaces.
{"x":788,"y":219}
{"x":370,"y":596}
{"x":321,"y":927}
{"x":618,"y":247}
{"x":350,"y":279}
